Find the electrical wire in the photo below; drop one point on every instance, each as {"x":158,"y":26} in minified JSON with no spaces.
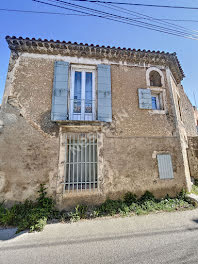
{"x":54,"y":13}
{"x":38,"y":12}
{"x":146,"y":17}
{"x":188,"y":32}
{"x":137,"y":4}
{"x":114,"y":18}
{"x":151,"y":26}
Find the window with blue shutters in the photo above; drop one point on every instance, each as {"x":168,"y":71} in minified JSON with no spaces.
{"x":81,"y":92}
{"x":150,"y":99}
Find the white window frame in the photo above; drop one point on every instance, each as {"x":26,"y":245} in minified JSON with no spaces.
{"x":159,"y":100}
{"x":82,"y":116}
{"x":149,"y":70}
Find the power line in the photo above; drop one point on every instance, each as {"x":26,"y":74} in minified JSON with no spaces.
{"x":120,"y":19}
{"x":137,"y":4}
{"x":127,"y":19}
{"x":55,"y":13}
{"x":179,"y":20}
{"x":145,"y":17}
{"x":117,"y":19}
{"x":38,"y":12}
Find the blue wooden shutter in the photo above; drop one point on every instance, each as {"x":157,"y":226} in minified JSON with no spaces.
{"x":60,"y":91}
{"x":165,"y":166}
{"x":145,"y":99}
{"x":104,"y":93}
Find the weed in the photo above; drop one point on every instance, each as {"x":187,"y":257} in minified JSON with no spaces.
{"x":147,"y":196}
{"x":195,"y":189}
{"x":130,"y":198}
{"x":79,"y":213}
{"x":29,"y":215}
{"x":110,"y":207}
{"x":33,"y":216}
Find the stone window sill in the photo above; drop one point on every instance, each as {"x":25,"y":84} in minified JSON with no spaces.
{"x":80,"y":123}
{"x":159,"y":112}
{"x":81,"y":193}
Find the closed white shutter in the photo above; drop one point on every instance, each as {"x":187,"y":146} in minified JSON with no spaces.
{"x":165,"y":166}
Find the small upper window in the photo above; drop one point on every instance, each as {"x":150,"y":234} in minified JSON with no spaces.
{"x":155,"y":79}
{"x":157,"y":101}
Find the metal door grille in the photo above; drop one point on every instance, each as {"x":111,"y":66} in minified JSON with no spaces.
{"x":81,"y":162}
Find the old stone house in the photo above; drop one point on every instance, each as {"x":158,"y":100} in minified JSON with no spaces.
{"x":92,"y":122}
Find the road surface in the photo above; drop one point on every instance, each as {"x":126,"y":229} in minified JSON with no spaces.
{"x":155,"y":238}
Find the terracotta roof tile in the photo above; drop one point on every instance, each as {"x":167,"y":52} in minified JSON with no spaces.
{"x":41,"y":46}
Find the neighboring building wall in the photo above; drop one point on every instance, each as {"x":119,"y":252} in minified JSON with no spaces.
{"x":193,"y":156}
{"x":32,"y":147}
{"x":189,"y":132}
{"x":187,"y":114}
{"x":196,"y":117}
{"x":181,"y":130}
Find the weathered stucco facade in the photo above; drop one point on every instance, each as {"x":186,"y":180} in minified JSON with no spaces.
{"x":33,"y":147}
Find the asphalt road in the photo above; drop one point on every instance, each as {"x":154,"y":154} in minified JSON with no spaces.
{"x":158,"y":238}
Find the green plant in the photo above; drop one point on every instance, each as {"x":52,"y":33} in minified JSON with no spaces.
{"x":79,"y":213}
{"x":110,"y":207}
{"x":29,"y":215}
{"x":33,"y":216}
{"x":147,"y":196}
{"x":182,"y":194}
{"x":39,"y":225}
{"x":82,"y":210}
{"x":95,"y":213}
{"x":195,"y":189}
{"x":196,"y":182}
{"x":130,"y":198}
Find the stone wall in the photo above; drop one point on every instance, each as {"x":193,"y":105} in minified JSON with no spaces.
{"x":187,"y":114}
{"x":193,"y":156}
{"x":31,"y":144}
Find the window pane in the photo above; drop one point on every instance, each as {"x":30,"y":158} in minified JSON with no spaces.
{"x":77,"y":92}
{"x":154,"y":103}
{"x":88,"y":92}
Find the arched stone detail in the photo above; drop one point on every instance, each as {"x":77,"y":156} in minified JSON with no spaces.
{"x":149,"y":70}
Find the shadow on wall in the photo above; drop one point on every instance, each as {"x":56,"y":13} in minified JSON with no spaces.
{"x":47,"y":125}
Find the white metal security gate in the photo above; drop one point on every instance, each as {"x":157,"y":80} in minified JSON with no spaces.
{"x":81,"y":162}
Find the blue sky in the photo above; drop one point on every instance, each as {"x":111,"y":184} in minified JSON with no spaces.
{"x":102,"y":32}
